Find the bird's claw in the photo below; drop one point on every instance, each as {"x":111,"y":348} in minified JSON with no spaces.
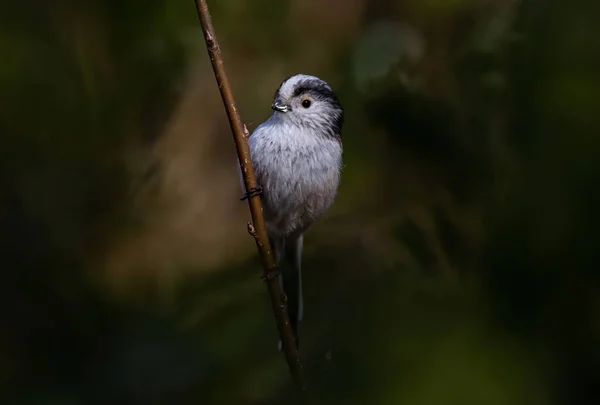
{"x":270,"y":275}
{"x":253,"y":192}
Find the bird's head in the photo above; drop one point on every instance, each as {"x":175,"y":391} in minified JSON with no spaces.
{"x":309,"y":103}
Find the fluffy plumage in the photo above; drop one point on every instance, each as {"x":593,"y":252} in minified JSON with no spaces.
{"x":297,"y":157}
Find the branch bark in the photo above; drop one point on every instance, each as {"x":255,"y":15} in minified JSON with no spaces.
{"x":258,"y":228}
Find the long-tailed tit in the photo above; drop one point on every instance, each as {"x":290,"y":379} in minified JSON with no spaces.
{"x":297,"y":157}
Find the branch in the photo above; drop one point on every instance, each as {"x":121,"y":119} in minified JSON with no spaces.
{"x":258,"y":228}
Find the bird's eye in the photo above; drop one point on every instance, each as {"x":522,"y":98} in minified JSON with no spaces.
{"x":306,"y":103}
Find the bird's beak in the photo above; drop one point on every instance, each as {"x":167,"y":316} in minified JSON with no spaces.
{"x":279,"y":106}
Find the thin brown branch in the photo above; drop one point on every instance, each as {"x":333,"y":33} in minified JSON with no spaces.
{"x":258,"y":228}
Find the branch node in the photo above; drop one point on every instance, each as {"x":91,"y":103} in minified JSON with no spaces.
{"x":210,"y":42}
{"x":252,"y":230}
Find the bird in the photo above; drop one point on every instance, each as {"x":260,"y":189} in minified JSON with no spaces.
{"x":297,"y":158}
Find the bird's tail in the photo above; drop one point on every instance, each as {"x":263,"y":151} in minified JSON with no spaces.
{"x":288,"y":253}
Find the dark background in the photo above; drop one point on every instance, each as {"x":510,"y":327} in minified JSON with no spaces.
{"x":459,"y":264}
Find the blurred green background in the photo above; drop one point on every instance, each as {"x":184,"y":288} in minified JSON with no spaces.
{"x":457,"y":266}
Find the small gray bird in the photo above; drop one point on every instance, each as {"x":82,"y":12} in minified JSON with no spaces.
{"x":297,"y":158}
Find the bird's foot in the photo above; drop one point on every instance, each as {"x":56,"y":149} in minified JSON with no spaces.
{"x":253,"y":192}
{"x":270,"y":275}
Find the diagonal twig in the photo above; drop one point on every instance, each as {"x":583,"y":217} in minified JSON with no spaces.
{"x":258,"y":228}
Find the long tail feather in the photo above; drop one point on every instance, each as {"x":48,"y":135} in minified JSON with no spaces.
{"x":288,"y":253}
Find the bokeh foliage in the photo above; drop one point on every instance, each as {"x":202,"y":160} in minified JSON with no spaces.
{"x":458,"y":266}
